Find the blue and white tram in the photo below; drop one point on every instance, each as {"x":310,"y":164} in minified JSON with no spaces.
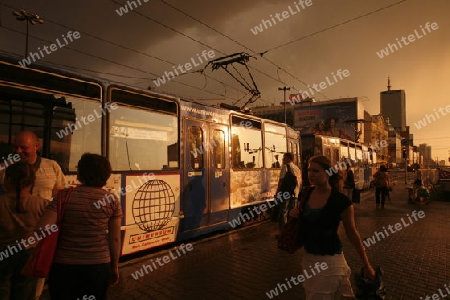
{"x":180,"y":169}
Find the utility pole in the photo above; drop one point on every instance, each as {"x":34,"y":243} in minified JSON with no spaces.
{"x":33,"y":19}
{"x":284,"y":89}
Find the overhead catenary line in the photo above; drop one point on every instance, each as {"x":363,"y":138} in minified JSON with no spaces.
{"x":335,"y":25}
{"x":112,"y":62}
{"x":129,"y":49}
{"x":288,"y":43}
{"x":191,"y":38}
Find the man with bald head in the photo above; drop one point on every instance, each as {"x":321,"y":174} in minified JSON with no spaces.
{"x":49,"y":177}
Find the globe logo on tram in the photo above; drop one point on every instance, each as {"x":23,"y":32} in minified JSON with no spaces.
{"x":153,"y":205}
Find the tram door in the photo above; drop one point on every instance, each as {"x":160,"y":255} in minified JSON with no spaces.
{"x":219,"y":175}
{"x":194,"y":193}
{"x":206,"y":175}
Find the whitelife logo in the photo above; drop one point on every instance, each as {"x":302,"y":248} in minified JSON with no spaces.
{"x":187,"y":67}
{"x":423,"y":122}
{"x":398,"y":226}
{"x":284,"y":15}
{"x":164,"y":260}
{"x":296,"y":281}
{"x":319,"y":87}
{"x":411,"y":38}
{"x":71,"y":127}
{"x":53,"y":47}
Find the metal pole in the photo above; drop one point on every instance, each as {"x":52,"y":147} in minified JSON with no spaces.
{"x":406,"y":165}
{"x":22,"y":15}
{"x":26,"y":43}
{"x":284,"y":89}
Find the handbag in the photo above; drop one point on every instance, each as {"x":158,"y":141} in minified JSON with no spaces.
{"x":370,"y":289}
{"x":41,"y":260}
{"x":290,"y":239}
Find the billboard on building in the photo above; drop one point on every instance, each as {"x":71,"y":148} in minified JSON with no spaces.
{"x":332,"y":118}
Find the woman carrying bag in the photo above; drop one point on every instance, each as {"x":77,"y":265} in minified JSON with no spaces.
{"x":325,"y":208}
{"x":87,"y":253}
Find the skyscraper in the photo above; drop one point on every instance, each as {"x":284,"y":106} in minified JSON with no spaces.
{"x":393,"y":106}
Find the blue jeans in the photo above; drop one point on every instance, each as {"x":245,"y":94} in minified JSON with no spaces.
{"x":13,"y":285}
{"x":285,"y":207}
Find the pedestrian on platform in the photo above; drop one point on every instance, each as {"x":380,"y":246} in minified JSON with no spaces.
{"x":349,"y":183}
{"x":325,"y":207}
{"x":49,"y":176}
{"x":290,"y":181}
{"x":381,"y":182}
{"x":87,"y":254}
{"x":19,"y":213}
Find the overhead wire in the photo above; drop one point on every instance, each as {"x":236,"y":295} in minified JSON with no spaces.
{"x":288,"y":43}
{"x":129,"y":49}
{"x":189,"y":37}
{"x":242,"y":45}
{"x":111,"y":61}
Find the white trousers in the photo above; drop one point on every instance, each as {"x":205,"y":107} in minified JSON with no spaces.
{"x":329,"y":284}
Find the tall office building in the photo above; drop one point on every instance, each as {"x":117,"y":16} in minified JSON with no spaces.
{"x":393,"y":106}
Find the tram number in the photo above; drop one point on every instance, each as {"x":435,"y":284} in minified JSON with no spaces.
{"x":217,"y":174}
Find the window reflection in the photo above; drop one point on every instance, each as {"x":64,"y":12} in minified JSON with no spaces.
{"x":142,"y":140}
{"x":196,"y":147}
{"x":246,"y":143}
{"x":219,"y":149}
{"x":275,"y":145}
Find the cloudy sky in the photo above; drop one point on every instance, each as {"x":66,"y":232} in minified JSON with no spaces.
{"x":308,"y":44}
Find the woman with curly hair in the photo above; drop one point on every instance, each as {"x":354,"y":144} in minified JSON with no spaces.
{"x":87,"y":255}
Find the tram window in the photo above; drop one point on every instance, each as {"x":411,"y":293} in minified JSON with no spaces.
{"x":70,"y":134}
{"x":246,"y":146}
{"x":142,"y":139}
{"x":16,"y":116}
{"x":219,"y":149}
{"x":336,"y":154}
{"x":196,"y":144}
{"x":75,"y":130}
{"x":275,"y":146}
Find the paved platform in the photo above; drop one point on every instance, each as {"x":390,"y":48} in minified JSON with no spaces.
{"x":246,"y":264}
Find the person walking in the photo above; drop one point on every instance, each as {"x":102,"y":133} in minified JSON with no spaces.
{"x":325,"y":207}
{"x":19,"y":214}
{"x":88,"y":249}
{"x":349,"y":183}
{"x":381,"y":182}
{"x":290,"y":181}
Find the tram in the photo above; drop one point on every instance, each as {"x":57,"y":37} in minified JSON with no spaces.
{"x":341,"y":152}
{"x":180,"y":169}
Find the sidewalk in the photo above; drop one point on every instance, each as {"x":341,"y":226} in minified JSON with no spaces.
{"x":246,"y":263}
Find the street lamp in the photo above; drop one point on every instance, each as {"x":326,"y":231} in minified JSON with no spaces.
{"x":33,"y":19}
{"x":284,"y":89}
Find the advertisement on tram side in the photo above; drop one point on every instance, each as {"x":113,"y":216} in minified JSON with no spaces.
{"x":252,"y":186}
{"x":151,"y":210}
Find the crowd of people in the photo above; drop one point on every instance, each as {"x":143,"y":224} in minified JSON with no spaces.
{"x":88,"y":249}
{"x":87,"y":253}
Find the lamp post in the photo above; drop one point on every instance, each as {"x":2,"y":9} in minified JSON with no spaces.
{"x":284,"y":89}
{"x":33,"y":19}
